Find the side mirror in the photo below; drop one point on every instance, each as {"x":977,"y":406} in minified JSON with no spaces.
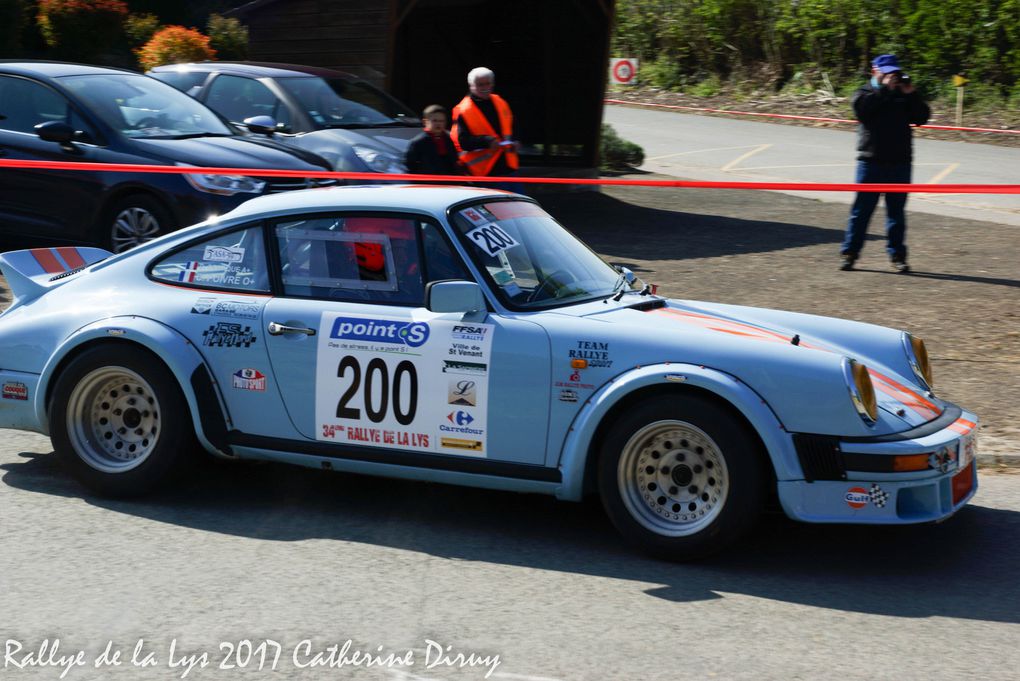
{"x":261,"y":125}
{"x":454,"y":296}
{"x":55,"y":131}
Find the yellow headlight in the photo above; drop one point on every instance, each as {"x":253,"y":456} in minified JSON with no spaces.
{"x":862,"y":392}
{"x":919,"y":362}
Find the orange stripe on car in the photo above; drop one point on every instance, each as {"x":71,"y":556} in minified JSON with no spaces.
{"x":71,"y":257}
{"x":47,"y":260}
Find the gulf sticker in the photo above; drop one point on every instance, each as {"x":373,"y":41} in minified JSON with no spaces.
{"x":857,"y":497}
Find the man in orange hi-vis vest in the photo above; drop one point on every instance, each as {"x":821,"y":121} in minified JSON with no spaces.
{"x":483,"y":128}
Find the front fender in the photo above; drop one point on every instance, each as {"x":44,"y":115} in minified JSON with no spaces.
{"x":578,"y":443}
{"x":176,"y":351}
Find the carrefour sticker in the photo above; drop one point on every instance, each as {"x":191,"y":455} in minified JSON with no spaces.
{"x":249,"y":379}
{"x":377,"y":379}
{"x":491,"y":238}
{"x":223,"y":254}
{"x":13,"y":390}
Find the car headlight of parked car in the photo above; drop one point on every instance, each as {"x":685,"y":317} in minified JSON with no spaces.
{"x":862,"y":392}
{"x":917,"y":357}
{"x":224,"y":185}
{"x":377,"y":160}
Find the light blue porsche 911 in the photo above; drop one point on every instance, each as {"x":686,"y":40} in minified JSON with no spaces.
{"x":461,"y":335}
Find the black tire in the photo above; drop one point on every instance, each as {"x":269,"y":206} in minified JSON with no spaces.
{"x":132,"y":220}
{"x":91,"y":413}
{"x":681,"y":477}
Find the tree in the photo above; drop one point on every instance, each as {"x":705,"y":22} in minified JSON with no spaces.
{"x":80,"y":30}
{"x":174,"y":45}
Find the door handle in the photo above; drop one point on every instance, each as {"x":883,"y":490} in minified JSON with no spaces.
{"x":277,"y":329}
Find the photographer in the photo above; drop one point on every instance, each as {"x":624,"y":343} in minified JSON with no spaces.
{"x":886,"y":108}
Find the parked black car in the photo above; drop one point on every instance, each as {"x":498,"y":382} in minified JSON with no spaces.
{"x":54,"y":111}
{"x":351,"y":123}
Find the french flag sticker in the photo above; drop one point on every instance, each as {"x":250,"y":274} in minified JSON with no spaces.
{"x":188,"y":275}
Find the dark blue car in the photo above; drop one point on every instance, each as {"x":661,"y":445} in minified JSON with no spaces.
{"x":54,"y":111}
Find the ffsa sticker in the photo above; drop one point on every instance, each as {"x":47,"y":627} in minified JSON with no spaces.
{"x":491,"y":238}
{"x":377,"y":383}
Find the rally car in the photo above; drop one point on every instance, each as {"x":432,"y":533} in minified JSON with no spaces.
{"x":462,"y":335}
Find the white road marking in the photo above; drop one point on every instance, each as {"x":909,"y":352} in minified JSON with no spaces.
{"x":700,"y":151}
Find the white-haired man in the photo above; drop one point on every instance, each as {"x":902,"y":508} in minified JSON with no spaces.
{"x":483,"y":128}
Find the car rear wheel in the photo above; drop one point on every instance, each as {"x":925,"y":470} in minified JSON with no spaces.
{"x":131,"y":221}
{"x":119,"y":422}
{"x":681,"y":477}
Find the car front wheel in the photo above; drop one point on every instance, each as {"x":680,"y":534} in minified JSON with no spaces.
{"x":681,"y":477}
{"x":119,"y":422}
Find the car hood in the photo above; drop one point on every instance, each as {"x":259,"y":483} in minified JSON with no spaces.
{"x":232,"y":152}
{"x":793,"y":360}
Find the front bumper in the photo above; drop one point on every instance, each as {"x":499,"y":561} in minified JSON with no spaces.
{"x":882,"y":497}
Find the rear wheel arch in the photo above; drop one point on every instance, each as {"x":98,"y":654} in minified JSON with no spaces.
{"x":211,"y":420}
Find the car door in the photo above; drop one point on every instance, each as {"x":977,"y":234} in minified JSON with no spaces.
{"x":44,"y":202}
{"x":361,"y":363}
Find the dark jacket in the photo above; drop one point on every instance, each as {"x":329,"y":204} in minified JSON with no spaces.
{"x":469,"y":141}
{"x":423,"y":157}
{"x":884,"y":135}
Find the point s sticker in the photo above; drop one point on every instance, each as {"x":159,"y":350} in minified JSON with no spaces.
{"x":857,"y":497}
{"x":411,"y":334}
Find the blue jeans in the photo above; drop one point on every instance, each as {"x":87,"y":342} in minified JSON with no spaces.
{"x":864,"y":206}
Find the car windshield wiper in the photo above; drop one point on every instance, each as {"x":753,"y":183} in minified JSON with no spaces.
{"x":390,"y":124}
{"x":618,"y":292}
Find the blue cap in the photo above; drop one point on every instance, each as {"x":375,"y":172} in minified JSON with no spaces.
{"x":886,"y":63}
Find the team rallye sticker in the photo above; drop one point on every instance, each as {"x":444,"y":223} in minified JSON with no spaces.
{"x":403,"y":383}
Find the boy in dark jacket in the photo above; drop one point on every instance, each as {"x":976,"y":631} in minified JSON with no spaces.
{"x":432,"y":152}
{"x":886,"y":108}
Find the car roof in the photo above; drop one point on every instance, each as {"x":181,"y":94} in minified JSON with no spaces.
{"x":256,"y":69}
{"x":430,"y":199}
{"x":56,"y":69}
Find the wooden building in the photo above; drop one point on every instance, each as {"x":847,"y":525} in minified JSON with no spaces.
{"x":549,"y":56}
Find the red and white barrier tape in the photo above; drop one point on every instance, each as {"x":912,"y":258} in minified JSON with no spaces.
{"x":798,"y":118}
{"x":462,"y":179}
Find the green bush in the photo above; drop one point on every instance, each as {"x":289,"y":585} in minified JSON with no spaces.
{"x":81,"y":30}
{"x":140,"y":28}
{"x":228,"y":37}
{"x":663,"y":72}
{"x":617,"y":153}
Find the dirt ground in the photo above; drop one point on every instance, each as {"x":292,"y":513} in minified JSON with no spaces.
{"x":772,"y":250}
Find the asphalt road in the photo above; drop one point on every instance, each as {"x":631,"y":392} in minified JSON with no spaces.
{"x":730,"y":149}
{"x":270,"y":552}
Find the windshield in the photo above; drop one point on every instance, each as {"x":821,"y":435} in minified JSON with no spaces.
{"x":143,"y":107}
{"x":341,"y":104}
{"x":532,"y":261}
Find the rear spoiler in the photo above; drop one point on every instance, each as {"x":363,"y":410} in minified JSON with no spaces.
{"x":32,"y":272}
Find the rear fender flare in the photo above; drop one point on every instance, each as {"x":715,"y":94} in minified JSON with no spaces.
{"x":176,"y":351}
{"x":577,"y":447}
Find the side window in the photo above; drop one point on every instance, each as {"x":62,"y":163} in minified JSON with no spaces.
{"x":235,"y":261}
{"x":25,"y":103}
{"x":370,"y":258}
{"x":239,"y":98}
{"x":440,"y":261}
